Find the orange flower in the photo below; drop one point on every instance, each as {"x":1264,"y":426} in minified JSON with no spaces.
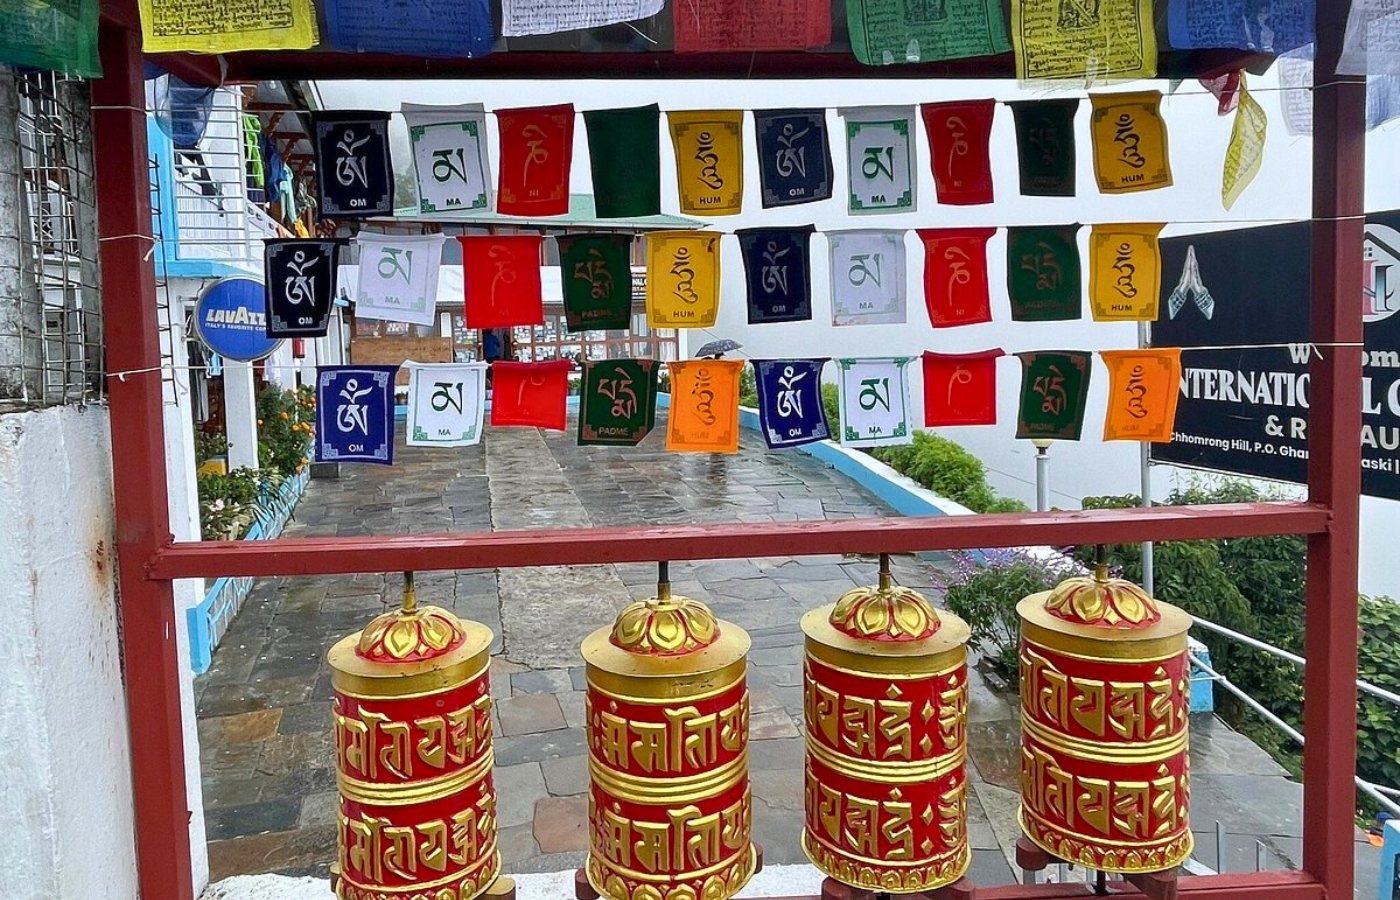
{"x":284,"y":415}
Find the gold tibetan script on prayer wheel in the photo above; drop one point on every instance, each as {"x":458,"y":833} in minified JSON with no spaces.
{"x":1105,"y":777}
{"x":886,"y":698}
{"x":669,"y":809}
{"x":412,"y":715}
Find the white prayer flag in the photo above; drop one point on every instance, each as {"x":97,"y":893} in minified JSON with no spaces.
{"x":398,"y":277}
{"x":867,"y":277}
{"x":449,"y":156}
{"x":446,"y":403}
{"x":524,"y":17}
{"x":880,"y":160}
{"x":874,"y":397}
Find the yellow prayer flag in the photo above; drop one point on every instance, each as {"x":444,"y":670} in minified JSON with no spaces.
{"x":709,"y":147}
{"x":704,"y":414}
{"x":1130,"y":142}
{"x":218,"y":26}
{"x":1085,"y":40}
{"x":1245,"y":155}
{"x":1125,"y":272}
{"x":1143,"y":388}
{"x":682,"y":279}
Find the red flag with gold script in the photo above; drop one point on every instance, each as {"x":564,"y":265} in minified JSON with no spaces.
{"x":537,"y":152}
{"x":959,"y":136}
{"x":961,"y":388}
{"x":530,"y":394}
{"x":955,"y":275}
{"x":703,"y":26}
{"x":501,"y":280}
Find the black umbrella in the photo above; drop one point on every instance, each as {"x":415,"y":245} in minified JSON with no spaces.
{"x":716,"y":349}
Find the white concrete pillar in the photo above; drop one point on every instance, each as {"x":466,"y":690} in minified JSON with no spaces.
{"x":240,"y":415}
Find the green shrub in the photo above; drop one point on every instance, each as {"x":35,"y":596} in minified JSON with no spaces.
{"x":286,"y":420}
{"x":946,"y":469}
{"x":831,"y":405}
{"x":1377,"y":722}
{"x":1006,"y":505}
{"x":985,"y":596}
{"x":748,"y":387}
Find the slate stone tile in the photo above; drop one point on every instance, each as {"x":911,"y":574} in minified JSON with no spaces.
{"x":251,"y":818}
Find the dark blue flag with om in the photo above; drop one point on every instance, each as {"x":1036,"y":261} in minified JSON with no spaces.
{"x":778,"y":273}
{"x":790,"y":401}
{"x":355,"y":414}
{"x":794,"y":158}
{"x":300,"y":282}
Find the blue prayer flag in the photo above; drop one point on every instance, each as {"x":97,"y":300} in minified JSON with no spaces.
{"x":1265,"y":26}
{"x":355,"y":414}
{"x":794,"y":157}
{"x":776,"y":261}
{"x":455,"y":28}
{"x":790,"y":401}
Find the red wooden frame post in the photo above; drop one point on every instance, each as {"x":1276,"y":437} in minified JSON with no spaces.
{"x":147,"y":608}
{"x":1334,"y":462}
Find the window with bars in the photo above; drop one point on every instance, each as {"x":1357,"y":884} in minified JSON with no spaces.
{"x":50,"y":310}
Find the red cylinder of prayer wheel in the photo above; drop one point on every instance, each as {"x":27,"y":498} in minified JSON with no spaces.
{"x":670,"y":815}
{"x":412,"y":717}
{"x":886,"y":705}
{"x":1104,"y":710}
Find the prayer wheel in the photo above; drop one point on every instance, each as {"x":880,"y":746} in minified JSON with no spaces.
{"x":669,"y":809}
{"x":1105,"y":701}
{"x":412,"y":717}
{"x":886,"y":705}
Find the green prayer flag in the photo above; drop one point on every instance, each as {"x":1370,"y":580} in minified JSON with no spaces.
{"x":1045,"y":146}
{"x":617,"y":401}
{"x":57,"y":35}
{"x":597,"y":276}
{"x":1043,"y":274}
{"x":624,"y":150}
{"x":884,"y":32}
{"x":1054,"y":388}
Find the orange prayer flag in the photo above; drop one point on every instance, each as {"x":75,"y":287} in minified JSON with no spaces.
{"x":704,"y":405}
{"x":1143,"y":388}
{"x":1125,"y":273}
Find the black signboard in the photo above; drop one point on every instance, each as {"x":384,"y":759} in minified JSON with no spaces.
{"x":1246,"y":410}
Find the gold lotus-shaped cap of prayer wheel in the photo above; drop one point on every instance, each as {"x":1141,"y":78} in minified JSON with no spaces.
{"x":412,"y":721}
{"x":885,"y":686}
{"x":1105,"y":775}
{"x":667,"y":708}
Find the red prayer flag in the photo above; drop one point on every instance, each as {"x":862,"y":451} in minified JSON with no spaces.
{"x":960,"y":388}
{"x":501,"y":280}
{"x":537,"y":152}
{"x":959,"y":137}
{"x":703,"y":26}
{"x":955,"y":275}
{"x":534,"y":395}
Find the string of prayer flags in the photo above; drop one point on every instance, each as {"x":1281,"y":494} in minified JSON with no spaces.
{"x":1054,"y":391}
{"x":1083,"y":40}
{"x":1244,"y":156}
{"x":874,"y":401}
{"x":1045,"y":146}
{"x":617,"y":401}
{"x":1143,"y":388}
{"x":682,"y":279}
{"x":537,"y":153}
{"x":300,"y":281}
{"x":353,"y":169}
{"x":1271,"y":26}
{"x":1130,"y":142}
{"x":58,"y":35}
{"x":959,"y":136}
{"x":790,"y":411}
{"x":531,"y":394}
{"x":526,"y":17}
{"x":704,"y":415}
{"x":446,"y":403}
{"x":708,"y":26}
{"x":884,"y":32}
{"x":955,"y":275}
{"x":1125,"y":272}
{"x":794,"y":156}
{"x":443,"y":28}
{"x":355,"y":414}
{"x":501,"y":280}
{"x":449,"y":156}
{"x":1043,"y":277}
{"x":398,"y":277}
{"x":709,"y":146}
{"x":172,"y":26}
{"x":596,"y":270}
{"x":867,"y":277}
{"x":880,"y":159}
{"x":624,"y":152}
{"x":960,"y":388}
{"x":776,"y":263}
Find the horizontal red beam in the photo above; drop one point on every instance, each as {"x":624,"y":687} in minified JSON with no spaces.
{"x":582,"y":546}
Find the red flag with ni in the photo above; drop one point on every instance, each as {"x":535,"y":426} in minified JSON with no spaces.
{"x":530,"y":394}
{"x":501,"y":280}
{"x":959,"y":136}
{"x":955,"y":275}
{"x":960,"y":388}
{"x":537,"y":152}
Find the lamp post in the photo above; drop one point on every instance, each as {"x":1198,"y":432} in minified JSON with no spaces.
{"x":1042,"y":474}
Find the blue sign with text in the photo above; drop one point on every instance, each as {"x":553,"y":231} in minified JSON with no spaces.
{"x":231,"y":319}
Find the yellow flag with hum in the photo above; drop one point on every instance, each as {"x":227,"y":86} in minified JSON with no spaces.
{"x":682,"y":279}
{"x":1125,"y":272}
{"x":709,"y":147}
{"x":1130,"y":142}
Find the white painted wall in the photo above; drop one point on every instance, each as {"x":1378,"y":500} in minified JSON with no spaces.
{"x":65,"y":779}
